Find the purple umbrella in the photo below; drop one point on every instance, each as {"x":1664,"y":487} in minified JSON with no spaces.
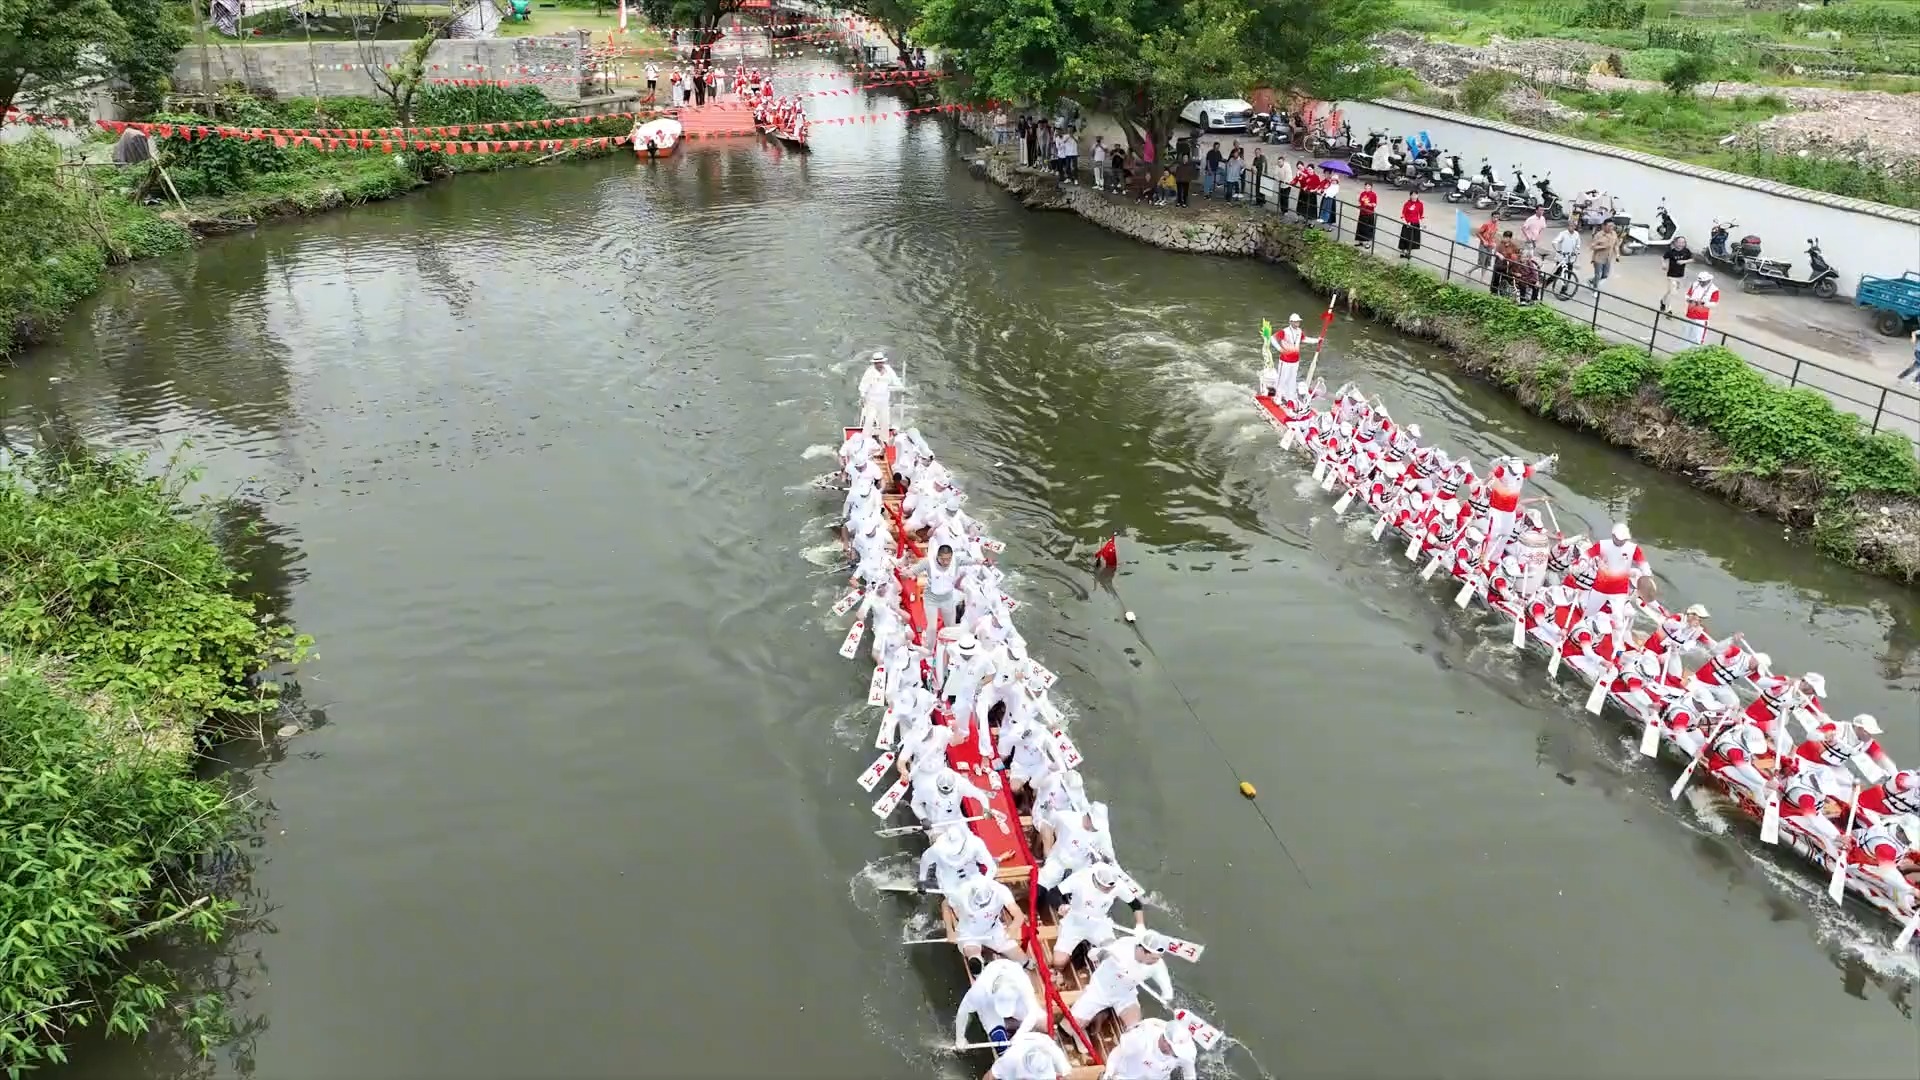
{"x":1337,"y":166}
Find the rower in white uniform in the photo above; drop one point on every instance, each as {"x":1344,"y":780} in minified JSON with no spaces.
{"x":1152,"y":1050}
{"x":982,"y":910}
{"x":1118,"y":971}
{"x":1001,"y":997}
{"x":1032,"y":1056}
{"x":1023,"y":754}
{"x":876,"y":394}
{"x":967,"y":672}
{"x":1085,"y":920}
{"x":942,"y":803}
{"x":940,"y":593}
{"x":956,"y":857}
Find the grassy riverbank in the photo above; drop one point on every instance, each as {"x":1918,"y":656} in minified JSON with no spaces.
{"x":122,"y":647}
{"x":63,"y":224}
{"x":1705,"y":413}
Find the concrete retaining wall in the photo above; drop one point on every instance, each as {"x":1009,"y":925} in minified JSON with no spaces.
{"x":1857,"y":237}
{"x":338,"y":68}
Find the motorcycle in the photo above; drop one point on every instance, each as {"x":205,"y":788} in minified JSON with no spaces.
{"x":1516,"y":201}
{"x":1549,"y":198}
{"x":1341,"y":144}
{"x":1769,"y":275}
{"x":1722,"y":252}
{"x":1486,"y":191}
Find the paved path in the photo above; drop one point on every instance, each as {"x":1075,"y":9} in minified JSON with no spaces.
{"x":1830,"y":346}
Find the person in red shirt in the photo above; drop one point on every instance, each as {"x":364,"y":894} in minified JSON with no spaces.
{"x":1412,"y":213}
{"x":1307,"y":180}
{"x":1363,"y":228}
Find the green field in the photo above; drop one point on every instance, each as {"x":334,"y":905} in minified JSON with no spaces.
{"x":1855,"y":43}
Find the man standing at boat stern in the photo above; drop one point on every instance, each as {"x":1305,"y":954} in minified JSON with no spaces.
{"x":876,"y":395}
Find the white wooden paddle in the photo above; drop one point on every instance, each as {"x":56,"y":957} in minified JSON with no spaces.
{"x":851,"y":646}
{"x":889,"y":723}
{"x":1520,"y":629}
{"x":1069,"y":753}
{"x":1465,"y":596}
{"x":1286,"y":440}
{"x":877,"y":687}
{"x":845,"y":603}
{"x":1185,"y":950}
{"x":1770,"y":820}
{"x":1413,"y":546}
{"x":1837,"y":888}
{"x":1597,"y":697}
{"x":1320,"y":469}
{"x":1205,"y":1035}
{"x":871,"y":778}
{"x":1553,"y":663}
{"x":1700,"y":755}
{"x":903,"y":830}
{"x":1326,"y":484}
{"x":1650,"y":738}
{"x":1906,"y":933}
{"x":1345,"y":501}
{"x":1380,"y":526}
{"x":1432,"y":569}
{"x":883,"y":808}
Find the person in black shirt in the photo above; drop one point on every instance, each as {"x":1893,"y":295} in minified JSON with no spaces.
{"x":1678,"y":255}
{"x":1216,"y":164}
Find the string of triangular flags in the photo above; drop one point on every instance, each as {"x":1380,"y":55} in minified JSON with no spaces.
{"x":437,"y":138}
{"x":15,"y":116}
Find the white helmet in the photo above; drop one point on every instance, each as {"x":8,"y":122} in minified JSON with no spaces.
{"x":1029,"y":734}
{"x":967,"y":645}
{"x":1154,"y":942}
{"x":1621,"y":533}
{"x":1179,"y":1040}
{"x":1006,"y":994}
{"x":1106,"y":875}
{"x":946,"y":781}
{"x":1699,"y":610}
{"x":951,"y":843}
{"x":1761,"y":661}
{"x":1412,"y":430}
{"x":980,"y":894}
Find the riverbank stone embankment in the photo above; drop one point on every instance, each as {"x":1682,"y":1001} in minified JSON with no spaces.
{"x":1704,"y":414}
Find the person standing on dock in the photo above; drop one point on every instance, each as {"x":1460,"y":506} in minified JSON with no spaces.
{"x":1002,"y":998}
{"x":653,"y":79}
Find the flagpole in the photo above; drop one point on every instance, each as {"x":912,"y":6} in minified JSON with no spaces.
{"x":1326,"y":321}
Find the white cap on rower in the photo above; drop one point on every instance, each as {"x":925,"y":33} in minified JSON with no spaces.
{"x":951,"y":842}
{"x":879,"y":357}
{"x":1105,"y":875}
{"x":1179,"y":1040}
{"x":1817,"y":681}
{"x":967,"y":643}
{"x":1293,"y":318}
{"x":1868,"y":724}
{"x":1035,"y":1061}
{"x":1699,"y":610}
{"x":1620,"y":532}
{"x":946,"y":781}
{"x":1154,"y":942}
{"x":1412,"y":429}
{"x":980,"y":893}
{"x":1706,"y":275}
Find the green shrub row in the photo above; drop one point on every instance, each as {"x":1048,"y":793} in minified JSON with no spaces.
{"x":119,"y":640}
{"x":1767,"y":429}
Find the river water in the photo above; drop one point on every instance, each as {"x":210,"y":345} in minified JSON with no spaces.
{"x":529,"y":454}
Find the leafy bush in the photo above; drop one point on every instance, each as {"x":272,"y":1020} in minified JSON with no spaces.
{"x":1482,"y":88}
{"x":104,"y":570}
{"x":1865,"y":19}
{"x":1610,"y":15}
{"x":1689,"y":71}
{"x":1769,"y":428}
{"x":52,"y":236}
{"x":1614,"y":374}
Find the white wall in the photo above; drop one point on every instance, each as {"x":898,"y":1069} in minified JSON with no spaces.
{"x":1857,"y":237}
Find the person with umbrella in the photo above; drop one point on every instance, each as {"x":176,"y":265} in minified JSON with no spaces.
{"x":1330,"y":197}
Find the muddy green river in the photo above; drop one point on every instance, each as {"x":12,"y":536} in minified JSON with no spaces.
{"x":529,"y":454}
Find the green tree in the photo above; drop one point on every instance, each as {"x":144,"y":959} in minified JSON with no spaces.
{"x":47,"y":45}
{"x":694,"y":21}
{"x":1689,"y":71}
{"x":894,"y":17}
{"x":155,"y":34}
{"x":1143,"y":60}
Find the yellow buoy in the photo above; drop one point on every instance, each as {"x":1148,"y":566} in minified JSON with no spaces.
{"x":1247,"y":789}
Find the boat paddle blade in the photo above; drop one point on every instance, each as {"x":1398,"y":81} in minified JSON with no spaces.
{"x":877,"y":689}
{"x":1837,"y":888}
{"x":1319,"y":469}
{"x":871,"y":778}
{"x":889,"y":723}
{"x":1327,"y":483}
{"x":1906,"y":933}
{"x":1345,"y":501}
{"x":1597,"y":697}
{"x":1379,"y":526}
{"x":1553,"y":664}
{"x":1413,"y":549}
{"x":845,"y":603}
{"x":1432,"y":569}
{"x":1464,"y":596}
{"x":1205,"y":1035}
{"x":1770,"y":824}
{"x":851,"y":646}
{"x":1869,"y":768}
{"x":883,"y":808}
{"x":1650,"y":739}
{"x":1286,"y":441}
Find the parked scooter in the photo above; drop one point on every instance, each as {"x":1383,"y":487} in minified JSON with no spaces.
{"x":1732,"y":257}
{"x":1515,"y":201}
{"x":1636,"y":238}
{"x":1339,"y":145}
{"x":1549,"y":198}
{"x":1771,"y":275}
{"x":1487,"y":191}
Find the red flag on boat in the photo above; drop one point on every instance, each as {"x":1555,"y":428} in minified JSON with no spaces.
{"x":1109,"y":554}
